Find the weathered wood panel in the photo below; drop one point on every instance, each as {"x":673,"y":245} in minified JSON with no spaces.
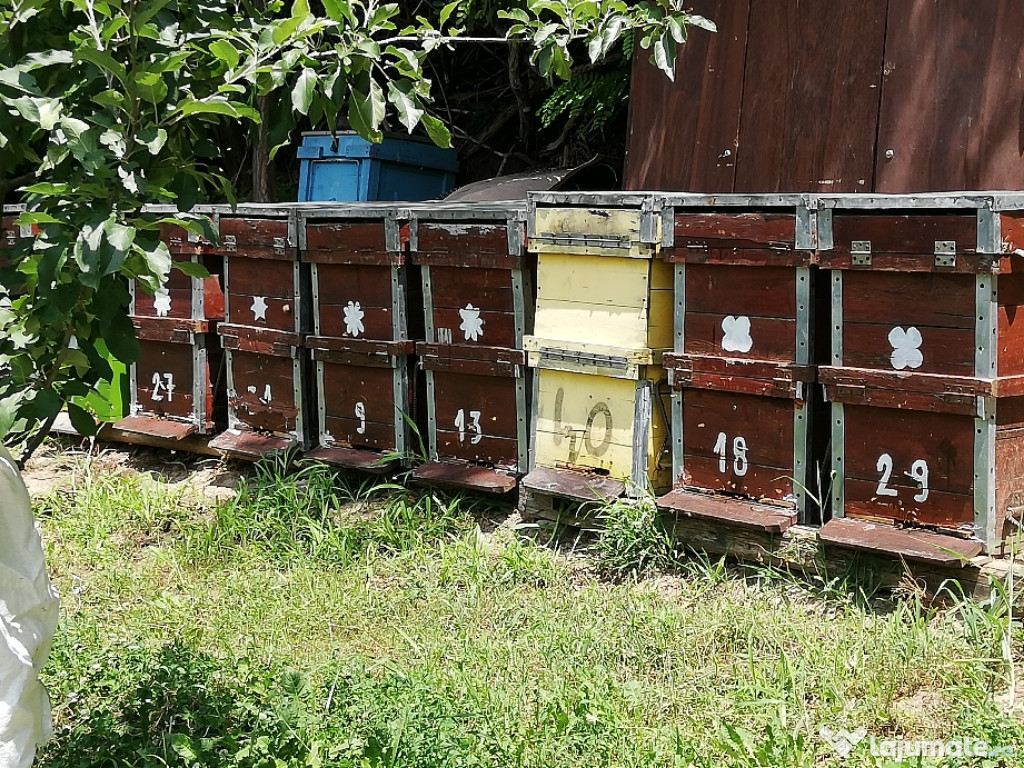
{"x":738,"y":443}
{"x":256,"y":238}
{"x":347,"y":242}
{"x":810,"y":96}
{"x":462,"y":237}
{"x":914,"y":234}
{"x":910,"y":466}
{"x":684,"y":135}
{"x":264,"y":392}
{"x":359,"y":405}
{"x":165,"y":374}
{"x":951,"y":98}
{"x":477,"y":418}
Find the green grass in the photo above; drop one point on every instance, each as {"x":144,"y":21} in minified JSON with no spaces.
{"x":318,"y":621}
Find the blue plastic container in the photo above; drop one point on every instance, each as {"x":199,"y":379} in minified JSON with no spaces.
{"x":348,"y":168}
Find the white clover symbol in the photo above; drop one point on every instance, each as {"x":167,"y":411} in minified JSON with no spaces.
{"x":737,"y":334}
{"x":472,"y":324}
{"x":906,"y":348}
{"x":162,"y":302}
{"x":354,"y":319}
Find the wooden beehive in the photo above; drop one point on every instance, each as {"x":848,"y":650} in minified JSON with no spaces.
{"x":926,"y":369}
{"x":603,"y":321}
{"x":267,"y":318}
{"x":361,"y":345}
{"x":478,"y":304}
{"x":742,"y":365}
{"x":176,"y":385}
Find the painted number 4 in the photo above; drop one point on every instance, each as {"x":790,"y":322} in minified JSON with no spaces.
{"x":474,"y":426}
{"x":740,"y":465}
{"x":918,"y":473}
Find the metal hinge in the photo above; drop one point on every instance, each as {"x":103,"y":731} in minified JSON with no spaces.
{"x":584,"y":358}
{"x":279,"y":245}
{"x":230,"y":243}
{"x":860,"y":253}
{"x":584,"y":241}
{"x":945,"y":253}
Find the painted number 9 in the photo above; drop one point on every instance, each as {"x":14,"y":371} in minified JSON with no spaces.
{"x":918,"y":473}
{"x":361,"y":415}
{"x":740,"y":465}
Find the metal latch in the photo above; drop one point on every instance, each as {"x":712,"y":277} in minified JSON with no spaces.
{"x":230,"y":243}
{"x":279,"y":243}
{"x":584,"y":358}
{"x":860,"y":253}
{"x":945,"y":253}
{"x":583,"y":241}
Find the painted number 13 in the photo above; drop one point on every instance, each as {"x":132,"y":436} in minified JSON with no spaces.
{"x":918,"y":473}
{"x":740,"y":465}
{"x":473,"y":425}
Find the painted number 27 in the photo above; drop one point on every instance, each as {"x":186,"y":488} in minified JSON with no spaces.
{"x":473,"y":426}
{"x":163,"y":384}
{"x":740,"y":465}
{"x":918,"y":473}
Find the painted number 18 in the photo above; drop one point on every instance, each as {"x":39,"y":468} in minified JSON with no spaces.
{"x":918,"y":473}
{"x":740,"y":465}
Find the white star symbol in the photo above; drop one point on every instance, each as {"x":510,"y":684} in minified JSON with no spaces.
{"x":354,"y":319}
{"x":472,"y":324}
{"x":259,"y":308}
{"x":162,"y":303}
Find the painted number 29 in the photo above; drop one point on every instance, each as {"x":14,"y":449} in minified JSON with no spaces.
{"x":918,"y":473}
{"x":473,"y":426}
{"x":740,"y":465}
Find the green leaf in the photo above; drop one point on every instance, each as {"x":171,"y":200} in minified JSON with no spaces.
{"x":447,"y":11}
{"x":217,"y":105}
{"x":437,"y":131}
{"x":82,"y":420}
{"x":36,"y":109}
{"x":33,"y":218}
{"x":48,"y":188}
{"x":701,"y":22}
{"x":152,"y":139}
{"x":407,"y":106}
{"x":105,"y":62}
{"x":192,"y":269}
{"x":302,"y":93}
{"x":360,"y":115}
{"x":149,"y":86}
{"x":226,"y":52}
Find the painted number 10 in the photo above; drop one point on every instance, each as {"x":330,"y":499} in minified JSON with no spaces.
{"x":740,"y":465}
{"x":918,"y":473}
{"x":473,"y":426}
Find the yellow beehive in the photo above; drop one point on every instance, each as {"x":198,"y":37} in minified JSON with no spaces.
{"x":604,"y":317}
{"x":611,"y":425}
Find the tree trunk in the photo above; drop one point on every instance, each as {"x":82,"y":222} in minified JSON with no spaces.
{"x":264,"y":184}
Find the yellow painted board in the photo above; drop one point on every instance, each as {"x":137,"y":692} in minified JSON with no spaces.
{"x":598,"y":222}
{"x":661,"y":330}
{"x":589,"y":421}
{"x":641,"y":356}
{"x":594,"y":279}
{"x":663,"y":275}
{"x":576,"y":321}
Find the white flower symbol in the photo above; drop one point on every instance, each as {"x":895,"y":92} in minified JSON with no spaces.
{"x":259,"y":309}
{"x":906,"y":348}
{"x":162,"y":302}
{"x":472,"y":324}
{"x":737,"y":334}
{"x":354,"y":319}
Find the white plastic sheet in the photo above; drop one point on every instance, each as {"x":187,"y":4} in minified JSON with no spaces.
{"x":28,"y":620}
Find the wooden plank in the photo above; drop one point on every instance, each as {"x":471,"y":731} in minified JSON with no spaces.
{"x":360,"y":405}
{"x":913,"y":233}
{"x":253,"y":234}
{"x":739,"y":290}
{"x":909,"y":544}
{"x":1009,"y":476}
{"x":909,"y":465}
{"x":935,"y":300}
{"x":342,"y":240}
{"x":368,"y":284}
{"x":262,"y":312}
{"x":683,"y":135}
{"x":494,"y":451}
{"x":459,"y":237}
{"x":617,"y":223}
{"x":474,"y":407}
{"x":599,"y":280}
{"x":164,"y":429}
{"x":351,"y":458}
{"x":581,"y":486}
{"x":249,"y":445}
{"x":769,"y":338}
{"x":350,"y":432}
{"x":354,"y":320}
{"x":810,"y":96}
{"x":165,"y":380}
{"x":750,"y":257}
{"x":474,"y":478}
{"x":944,"y":351}
{"x":951,"y":97}
{"x":264,"y":392}
{"x":1010,"y":289}
{"x":472,"y":324}
{"x":455,"y":287}
{"x":735,"y":230}
{"x":728,"y":511}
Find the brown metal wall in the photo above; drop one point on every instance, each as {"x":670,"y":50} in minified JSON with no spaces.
{"x":836,"y":96}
